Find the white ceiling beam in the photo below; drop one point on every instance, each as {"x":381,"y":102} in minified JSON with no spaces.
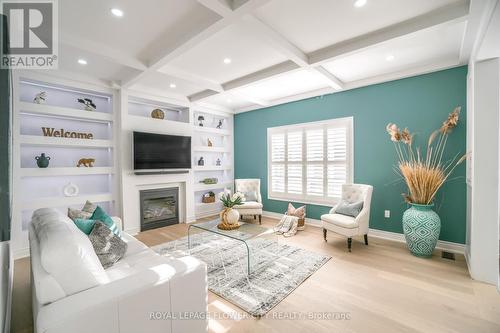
{"x":201,"y":95}
{"x":331,"y":79}
{"x":221,"y":7}
{"x":192,"y":78}
{"x":455,"y":12}
{"x":258,"y":101}
{"x":101,"y":50}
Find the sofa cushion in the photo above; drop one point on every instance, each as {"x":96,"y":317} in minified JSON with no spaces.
{"x":109,"y":247}
{"x":100,"y":214}
{"x":66,"y":253}
{"x":85,"y":225}
{"x":133,"y":245}
{"x":249,"y":205}
{"x":340,"y":220}
{"x":350,"y":209}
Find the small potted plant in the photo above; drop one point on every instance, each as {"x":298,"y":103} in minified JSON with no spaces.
{"x":424,"y":174}
{"x":229,"y":217}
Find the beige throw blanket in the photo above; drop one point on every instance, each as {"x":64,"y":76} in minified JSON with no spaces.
{"x":287,"y":226}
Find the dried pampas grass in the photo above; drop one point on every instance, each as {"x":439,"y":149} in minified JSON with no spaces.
{"x":425,"y":176}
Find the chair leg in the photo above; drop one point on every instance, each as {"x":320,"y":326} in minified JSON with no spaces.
{"x":260,"y":219}
{"x":324,"y":234}
{"x":349,"y":243}
{"x":366,"y":239}
{"x":255,"y":217}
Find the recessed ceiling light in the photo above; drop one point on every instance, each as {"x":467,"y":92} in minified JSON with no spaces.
{"x":173,"y":85}
{"x":359,"y":3}
{"x":227,"y":60}
{"x":117,"y":12}
{"x":82,"y":61}
{"x":390,"y":57}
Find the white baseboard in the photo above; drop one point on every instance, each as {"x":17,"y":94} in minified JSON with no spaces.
{"x":394,"y":236}
{"x":21,"y":253}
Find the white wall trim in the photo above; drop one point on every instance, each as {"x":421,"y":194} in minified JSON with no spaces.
{"x":394,"y":236}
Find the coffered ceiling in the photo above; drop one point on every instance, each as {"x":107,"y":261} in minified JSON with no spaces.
{"x":237,"y":55}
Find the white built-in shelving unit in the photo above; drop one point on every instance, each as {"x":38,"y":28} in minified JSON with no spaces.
{"x":36,"y":187}
{"x":222,"y":149}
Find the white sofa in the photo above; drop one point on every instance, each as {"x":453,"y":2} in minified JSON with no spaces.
{"x":143,"y":292}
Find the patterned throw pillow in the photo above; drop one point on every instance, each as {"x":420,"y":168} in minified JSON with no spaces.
{"x":100,"y":214}
{"x":250,"y":196}
{"x":349,"y":209}
{"x":109,"y":247}
{"x":75,"y":214}
{"x":89,"y":207}
{"x":298,"y":212}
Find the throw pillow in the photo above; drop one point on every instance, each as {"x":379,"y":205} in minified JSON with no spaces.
{"x":85,"y":225}
{"x":109,"y":247}
{"x":349,"y":209}
{"x":250,"y":196}
{"x":298,"y":212}
{"x":78,"y":214}
{"x":89,"y":207}
{"x":100,"y":214}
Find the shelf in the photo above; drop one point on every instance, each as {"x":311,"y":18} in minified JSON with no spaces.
{"x":211,"y":168}
{"x":66,"y":201}
{"x":70,"y":171}
{"x":203,"y":187}
{"x":37,"y":140}
{"x":58,"y":111}
{"x":213,"y":130}
{"x":209,"y":205}
{"x":164,"y":126}
{"x":211,"y":149}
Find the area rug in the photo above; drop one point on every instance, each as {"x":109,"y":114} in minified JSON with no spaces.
{"x":276,"y":268}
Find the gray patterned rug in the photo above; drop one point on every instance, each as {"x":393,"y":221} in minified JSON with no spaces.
{"x":276,"y":268}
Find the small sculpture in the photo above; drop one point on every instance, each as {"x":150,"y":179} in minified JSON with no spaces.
{"x":209,"y":181}
{"x":218,"y":162}
{"x":42,"y":161}
{"x":210,"y":144}
{"x":201,"y":119}
{"x":219,"y":126}
{"x":158,"y":114}
{"x":88,"y":104}
{"x":71,"y":190}
{"x":86,"y":162}
{"x":40,"y":97}
{"x":201,"y":161}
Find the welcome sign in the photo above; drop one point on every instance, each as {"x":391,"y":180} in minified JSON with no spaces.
{"x":62,"y":133}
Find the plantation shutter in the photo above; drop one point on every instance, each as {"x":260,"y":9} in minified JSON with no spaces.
{"x":310,"y":162}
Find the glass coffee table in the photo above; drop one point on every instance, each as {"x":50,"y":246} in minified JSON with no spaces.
{"x":245,"y":233}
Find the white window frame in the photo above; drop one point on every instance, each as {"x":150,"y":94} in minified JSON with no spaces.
{"x":324,"y":200}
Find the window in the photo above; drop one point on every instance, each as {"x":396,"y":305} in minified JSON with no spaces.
{"x":309,"y":162}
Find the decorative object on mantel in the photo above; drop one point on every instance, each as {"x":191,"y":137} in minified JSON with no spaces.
{"x":209,"y":181}
{"x":42,"y":161}
{"x":158,"y":114}
{"x":209,"y":142}
{"x":86,"y":162}
{"x":218,"y":162}
{"x":423,"y":176}
{"x":208,"y":197}
{"x":229,"y":217}
{"x":88,"y":104}
{"x":40,"y":98}
{"x":201,"y":161}
{"x":62,"y":133}
{"x":219,"y":126}
{"x":200,"y":120}
{"x":71,"y":190}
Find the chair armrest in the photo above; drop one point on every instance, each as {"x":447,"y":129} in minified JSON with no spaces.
{"x":118,"y":222}
{"x":363,"y":220}
{"x":259,"y":197}
{"x":334,"y":209}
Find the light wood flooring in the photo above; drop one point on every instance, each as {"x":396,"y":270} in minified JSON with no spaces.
{"x":381,"y":287}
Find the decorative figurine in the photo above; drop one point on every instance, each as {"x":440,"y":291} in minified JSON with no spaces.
{"x":218,"y":162}
{"x":40,"y":97}
{"x":209,"y":181}
{"x":71,"y":190}
{"x":210,"y":144}
{"x":201,"y":119}
{"x":42,"y":161}
{"x":201,"y":161}
{"x":88,"y":104}
{"x":219,"y":126}
{"x":86,"y":162}
{"x":158,"y":114}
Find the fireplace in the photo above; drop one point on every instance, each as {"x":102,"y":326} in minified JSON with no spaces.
{"x":159,"y":208}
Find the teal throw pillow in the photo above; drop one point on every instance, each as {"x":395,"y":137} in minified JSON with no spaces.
{"x":100,"y":214}
{"x":85,"y":225}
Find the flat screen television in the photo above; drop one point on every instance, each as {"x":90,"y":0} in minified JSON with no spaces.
{"x":158,"y":151}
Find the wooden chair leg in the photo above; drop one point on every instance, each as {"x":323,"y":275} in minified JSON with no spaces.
{"x":366,"y":239}
{"x":260,"y":219}
{"x":255,"y":217}
{"x":324,"y":234}
{"x":349,"y":243}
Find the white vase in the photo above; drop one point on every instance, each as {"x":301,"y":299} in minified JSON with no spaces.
{"x":230,"y":216}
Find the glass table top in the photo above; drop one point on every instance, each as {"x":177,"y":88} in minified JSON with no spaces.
{"x":245,"y":232}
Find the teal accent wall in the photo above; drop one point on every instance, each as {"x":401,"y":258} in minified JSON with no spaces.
{"x":420,"y":103}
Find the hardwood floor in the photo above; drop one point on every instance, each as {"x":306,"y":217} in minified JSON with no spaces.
{"x":381,"y":288}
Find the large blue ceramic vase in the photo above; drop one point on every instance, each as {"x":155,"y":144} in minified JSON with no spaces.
{"x":421,"y":226}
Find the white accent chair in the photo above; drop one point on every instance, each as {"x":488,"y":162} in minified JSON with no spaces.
{"x":249,"y":207}
{"x":346,"y":225}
